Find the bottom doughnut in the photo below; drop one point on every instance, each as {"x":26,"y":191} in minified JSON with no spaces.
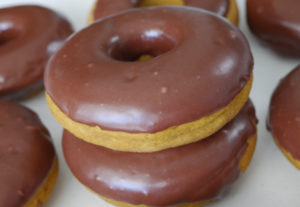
{"x":244,"y":163}
{"x":190,"y":175}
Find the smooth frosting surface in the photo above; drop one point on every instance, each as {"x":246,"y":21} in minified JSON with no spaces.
{"x":200,"y":171}
{"x":201,"y":62}
{"x":26,"y":154}
{"x":284,"y":115}
{"x":29,"y":35}
{"x":105,"y":8}
{"x":277,"y":22}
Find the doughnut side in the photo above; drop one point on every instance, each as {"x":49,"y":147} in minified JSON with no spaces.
{"x":42,"y":194}
{"x":288,"y":155}
{"x":233,"y":13}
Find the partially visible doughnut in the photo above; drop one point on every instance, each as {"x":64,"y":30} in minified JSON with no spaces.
{"x":29,"y":35}
{"x":28,"y":164}
{"x":225,"y":8}
{"x":284,"y":116}
{"x":277,"y":23}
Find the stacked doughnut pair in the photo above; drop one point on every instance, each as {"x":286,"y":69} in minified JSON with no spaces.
{"x":175,"y":129}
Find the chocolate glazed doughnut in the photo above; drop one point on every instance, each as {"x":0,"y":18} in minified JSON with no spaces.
{"x":28,"y":165}
{"x":225,"y":8}
{"x":202,"y":171}
{"x":198,"y":80}
{"x":29,"y":35}
{"x":284,"y":116}
{"x":276,"y":22}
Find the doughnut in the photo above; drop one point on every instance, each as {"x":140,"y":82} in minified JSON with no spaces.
{"x":190,"y":175}
{"x":277,"y":23}
{"x":284,"y":116}
{"x":29,"y":35}
{"x":225,"y":8}
{"x":28,"y":164}
{"x":198,"y":79}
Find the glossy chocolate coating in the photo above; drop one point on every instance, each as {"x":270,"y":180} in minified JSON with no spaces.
{"x":29,"y":35}
{"x":277,"y":22}
{"x":26,"y":154}
{"x":199,"y":171}
{"x":284,"y":115}
{"x":105,"y":8}
{"x":201,"y":62}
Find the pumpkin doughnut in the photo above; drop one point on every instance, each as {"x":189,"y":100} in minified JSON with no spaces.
{"x":277,"y":23}
{"x":284,"y":116}
{"x":29,"y":35}
{"x":199,"y":79}
{"x":28,"y":164}
{"x":225,"y":8}
{"x":190,"y":175}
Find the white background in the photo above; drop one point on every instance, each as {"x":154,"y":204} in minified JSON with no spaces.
{"x":270,"y":180}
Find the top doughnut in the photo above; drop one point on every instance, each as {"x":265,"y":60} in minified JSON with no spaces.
{"x":225,"y":8}
{"x":277,"y":22}
{"x":29,"y":35}
{"x":201,"y":64}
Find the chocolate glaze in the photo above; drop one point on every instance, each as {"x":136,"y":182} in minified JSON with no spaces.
{"x":277,"y":22}
{"x":199,"y":171}
{"x":201,"y":62}
{"x":29,"y":35}
{"x":26,"y":154}
{"x":284,"y":115}
{"x":105,"y":8}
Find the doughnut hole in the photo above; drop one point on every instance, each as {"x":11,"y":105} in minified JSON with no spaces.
{"x":7,"y":34}
{"x":141,"y":47}
{"x":145,"y":3}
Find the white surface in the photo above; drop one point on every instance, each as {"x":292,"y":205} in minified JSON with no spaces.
{"x":270,"y":180}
